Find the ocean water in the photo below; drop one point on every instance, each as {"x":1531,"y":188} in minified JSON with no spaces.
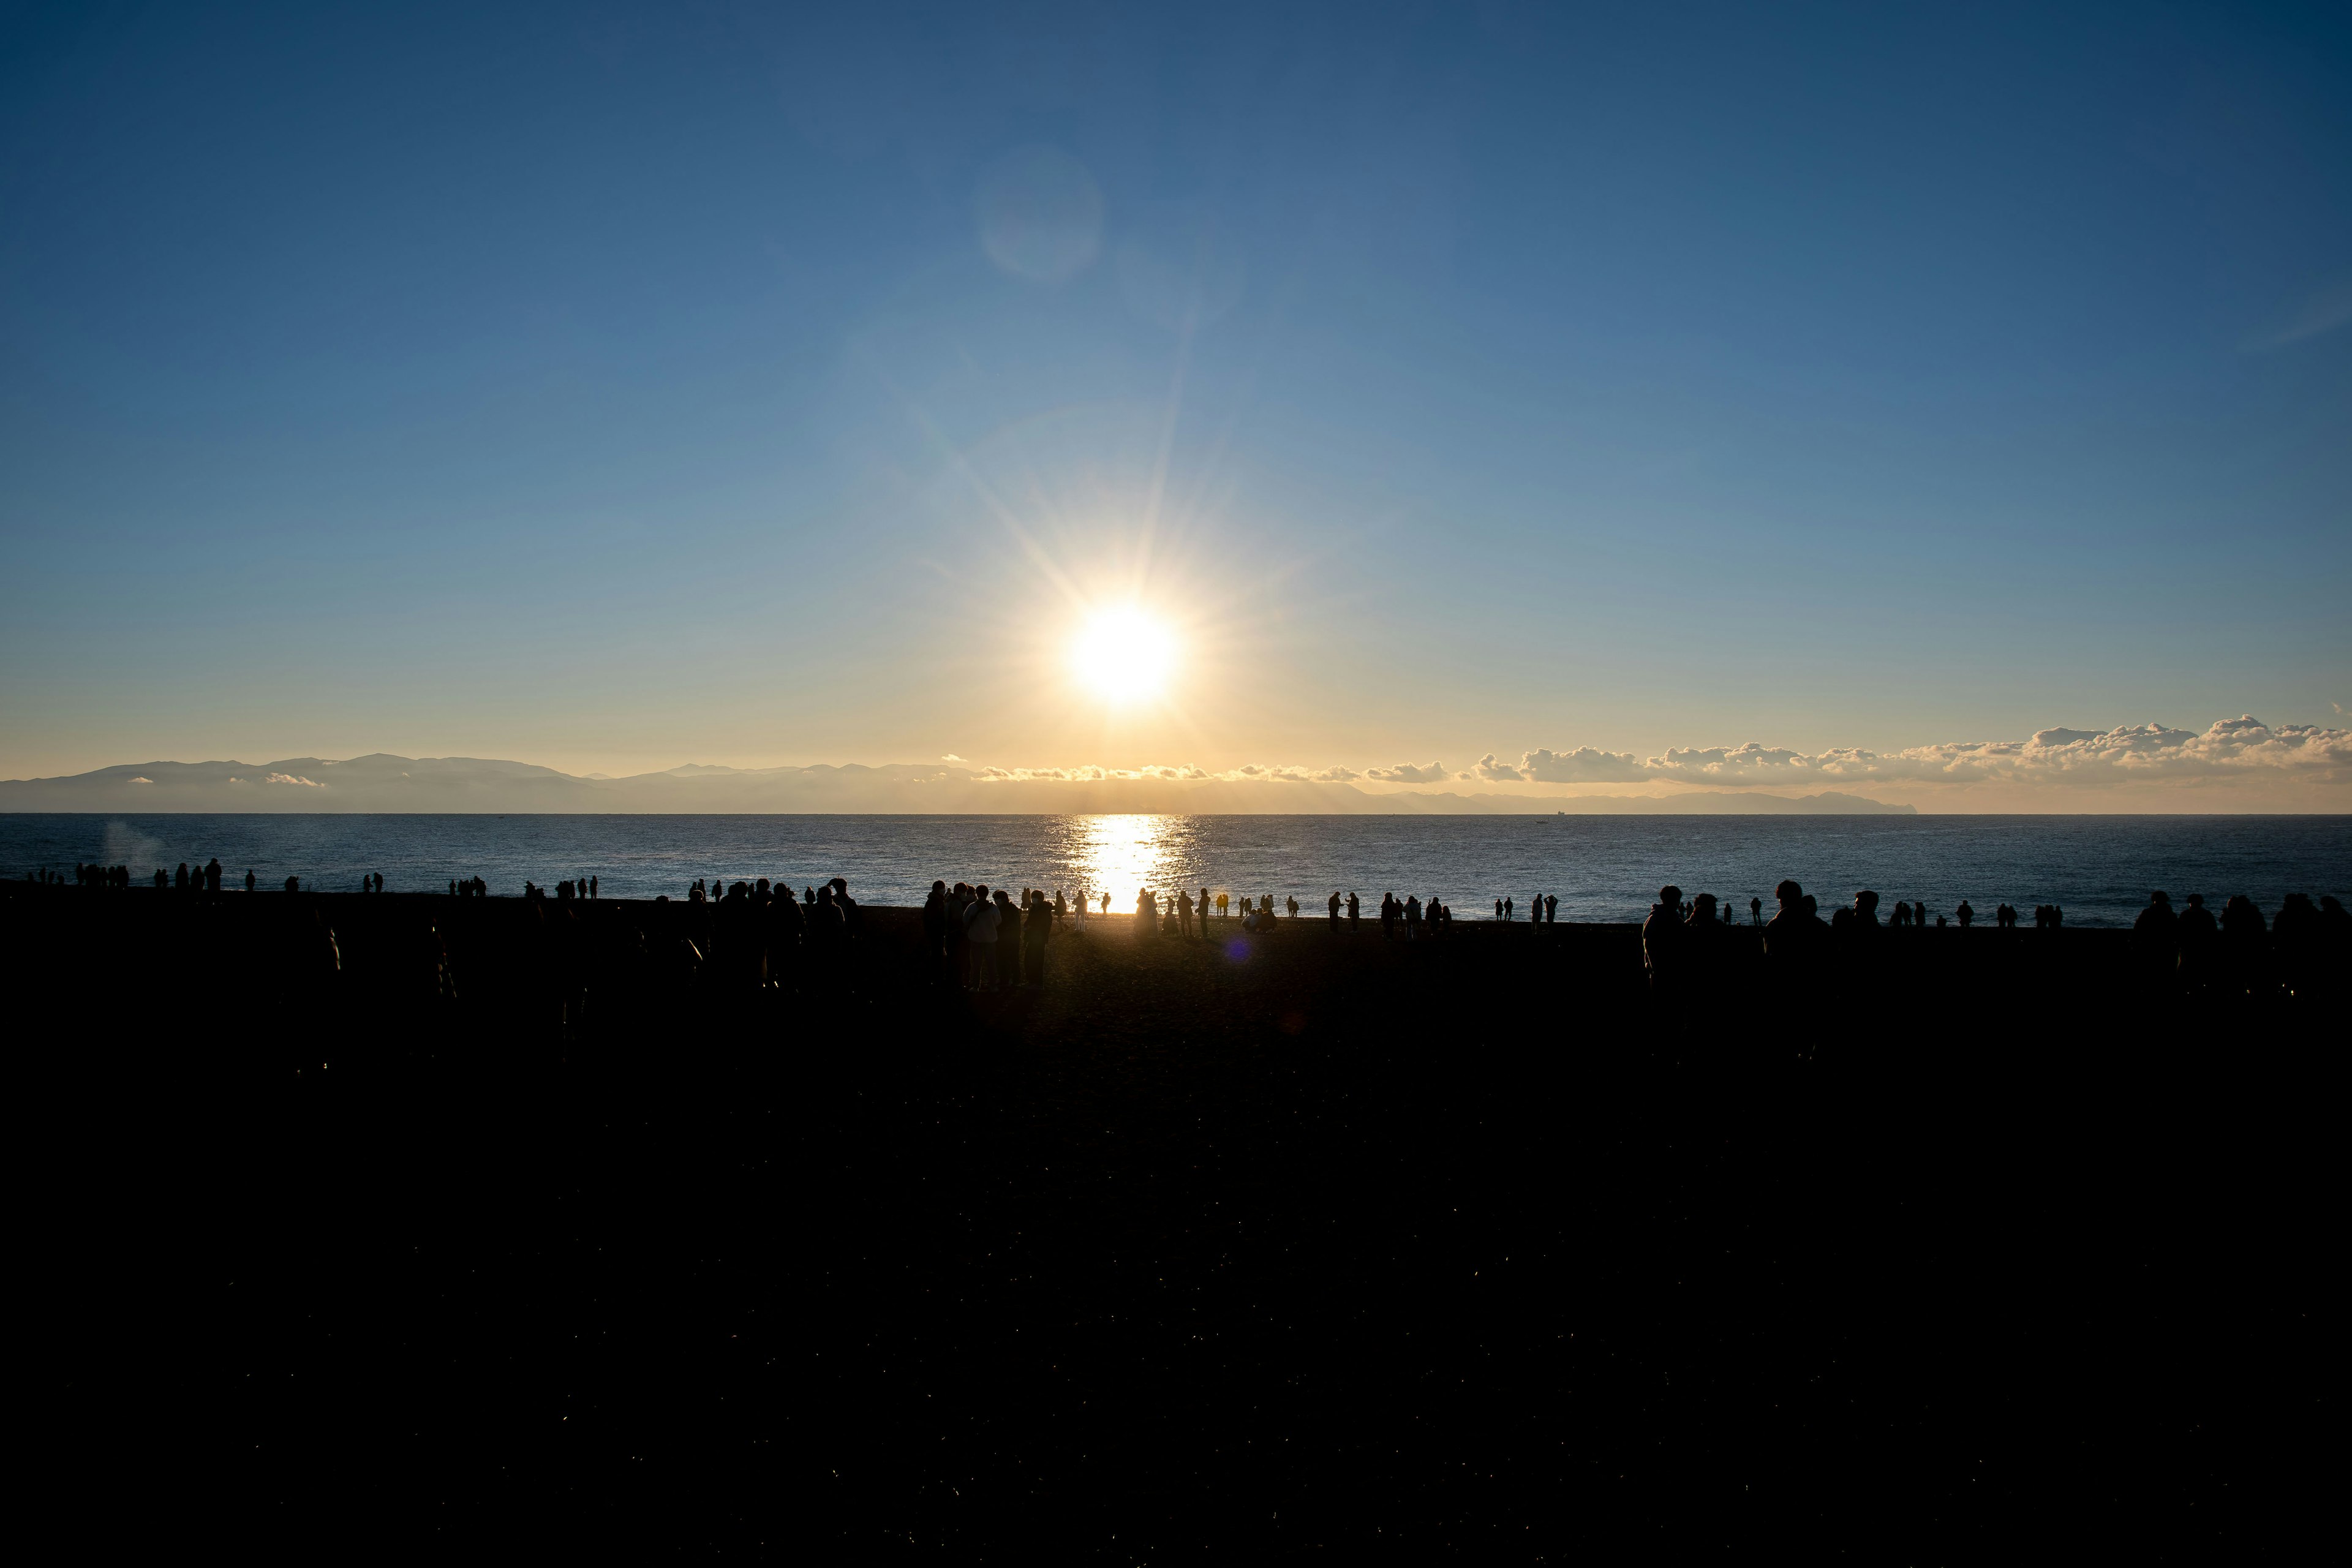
{"x":2099,"y":869}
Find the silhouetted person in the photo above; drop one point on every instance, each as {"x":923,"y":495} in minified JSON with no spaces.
{"x":2298,"y":934}
{"x":591,"y":886}
{"x":213,"y":875}
{"x":1008,"y":942}
{"x":2199,"y":938}
{"x":1967,"y":915}
{"x":1755,"y":911}
{"x":293,"y":884}
{"x":935,"y":921}
{"x":2156,"y":934}
{"x":1184,"y":911}
{"x":249,"y":879}
{"x":1355,"y":913}
{"x":1333,"y":907}
{"x":1036,"y":931}
{"x":1790,"y":938}
{"x":2245,"y":947}
{"x":1664,"y":943}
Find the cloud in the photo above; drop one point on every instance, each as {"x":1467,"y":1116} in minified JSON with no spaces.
{"x":293,"y":779}
{"x":2323,"y":312}
{"x":2241,"y":748}
{"x":950,"y":757}
{"x":1286,"y":775}
{"x":1586,"y":765}
{"x":142,"y":779}
{"x":2232,"y":748}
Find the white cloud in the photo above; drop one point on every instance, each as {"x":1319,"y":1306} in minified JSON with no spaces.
{"x":2241,"y":748}
{"x":2323,"y":312}
{"x":2231,"y":748}
{"x":293,"y":779}
{"x":950,"y":757}
{"x":142,"y":779}
{"x":1586,"y":765}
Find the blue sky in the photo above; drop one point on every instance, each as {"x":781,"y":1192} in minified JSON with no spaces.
{"x":613,"y":387}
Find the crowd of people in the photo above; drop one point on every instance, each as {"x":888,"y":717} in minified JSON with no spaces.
{"x":203,"y":879}
{"x":2239,"y":950}
{"x":985,"y":941}
{"x":1683,"y":944}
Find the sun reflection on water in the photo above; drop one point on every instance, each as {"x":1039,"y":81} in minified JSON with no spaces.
{"x":1120,"y":855}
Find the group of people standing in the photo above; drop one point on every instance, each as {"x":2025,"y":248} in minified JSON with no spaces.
{"x":985,"y":941}
{"x":203,"y":879}
{"x":2299,"y":949}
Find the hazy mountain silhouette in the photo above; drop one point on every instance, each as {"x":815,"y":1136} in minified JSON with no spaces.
{"x":383,"y":783}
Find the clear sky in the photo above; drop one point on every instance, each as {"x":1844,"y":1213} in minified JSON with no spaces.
{"x":614,"y":387}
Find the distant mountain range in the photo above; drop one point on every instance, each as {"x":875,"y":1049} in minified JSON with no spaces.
{"x":383,"y":783}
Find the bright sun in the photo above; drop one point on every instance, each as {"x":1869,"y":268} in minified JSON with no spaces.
{"x":1124,"y":654}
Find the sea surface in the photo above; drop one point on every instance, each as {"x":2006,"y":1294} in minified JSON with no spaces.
{"x":2098,"y":868}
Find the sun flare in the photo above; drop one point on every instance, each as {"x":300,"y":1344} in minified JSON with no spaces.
{"x":1124,"y":654}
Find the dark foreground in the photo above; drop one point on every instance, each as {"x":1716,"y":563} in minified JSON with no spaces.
{"x":1467,"y":1247}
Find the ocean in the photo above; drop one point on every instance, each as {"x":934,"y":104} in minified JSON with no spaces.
{"x":2098,"y":868}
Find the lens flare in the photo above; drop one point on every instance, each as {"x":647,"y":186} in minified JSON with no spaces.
{"x":1124,"y":654}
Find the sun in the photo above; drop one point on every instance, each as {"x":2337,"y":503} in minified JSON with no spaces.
{"x":1124,"y":654}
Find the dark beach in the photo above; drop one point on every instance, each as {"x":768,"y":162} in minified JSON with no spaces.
{"x":500,"y":1211}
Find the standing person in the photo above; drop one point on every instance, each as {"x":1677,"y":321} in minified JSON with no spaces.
{"x":1081,"y":907}
{"x":1222,"y":908}
{"x":1663,"y":941}
{"x":1008,"y":942}
{"x":1106,"y":905}
{"x":979,"y":934}
{"x":1036,"y":931}
{"x":1551,"y":908}
{"x":1355,"y":912}
{"x":1333,"y":907}
{"x":1183,"y":911}
{"x":935,"y":922}
{"x":1204,"y":908}
{"x":1412,"y":916}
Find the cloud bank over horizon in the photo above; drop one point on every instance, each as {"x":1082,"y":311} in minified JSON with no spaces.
{"x":2243,"y":761}
{"x":2231,"y":749}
